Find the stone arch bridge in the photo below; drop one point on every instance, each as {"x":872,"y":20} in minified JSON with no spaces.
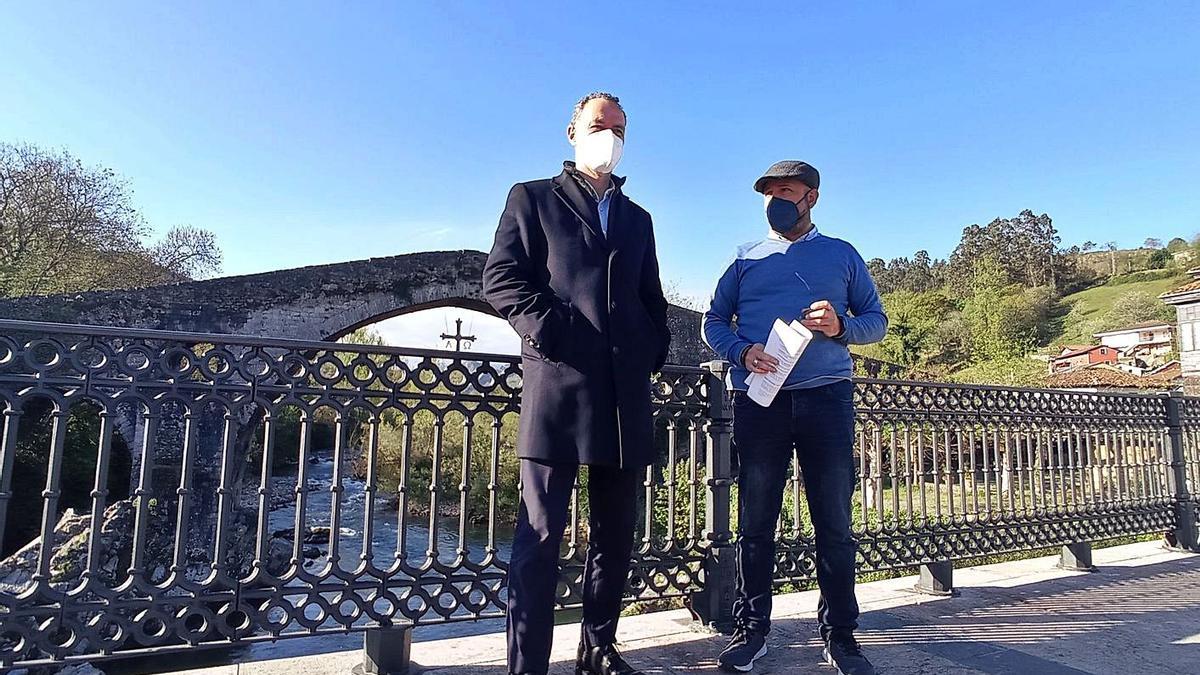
{"x":322,"y":302}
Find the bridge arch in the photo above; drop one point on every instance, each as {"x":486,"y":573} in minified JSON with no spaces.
{"x":475,"y":304}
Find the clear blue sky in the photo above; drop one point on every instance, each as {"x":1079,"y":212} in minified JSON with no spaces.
{"x":304,"y":134}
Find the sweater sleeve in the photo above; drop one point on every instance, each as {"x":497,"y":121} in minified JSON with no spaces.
{"x":867,"y":322}
{"x":717,"y":326}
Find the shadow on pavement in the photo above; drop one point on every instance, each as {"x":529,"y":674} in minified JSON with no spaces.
{"x":1143,"y":619}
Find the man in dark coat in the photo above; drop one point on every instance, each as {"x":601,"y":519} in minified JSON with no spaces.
{"x":575,"y":272}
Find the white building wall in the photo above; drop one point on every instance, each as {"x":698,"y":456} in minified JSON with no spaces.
{"x":1131,"y":338}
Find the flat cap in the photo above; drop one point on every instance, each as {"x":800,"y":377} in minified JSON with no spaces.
{"x":790,"y":168}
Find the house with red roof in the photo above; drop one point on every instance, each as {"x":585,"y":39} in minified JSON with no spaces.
{"x":1079,"y":356}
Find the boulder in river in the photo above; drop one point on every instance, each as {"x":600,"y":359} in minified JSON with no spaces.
{"x":317,"y":535}
{"x":71,"y":543}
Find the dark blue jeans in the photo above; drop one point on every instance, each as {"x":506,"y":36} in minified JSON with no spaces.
{"x":819,"y":424}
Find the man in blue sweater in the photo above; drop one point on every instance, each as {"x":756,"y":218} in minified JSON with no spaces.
{"x":796,"y":272}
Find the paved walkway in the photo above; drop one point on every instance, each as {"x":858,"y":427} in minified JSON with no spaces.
{"x":1139,"y":614}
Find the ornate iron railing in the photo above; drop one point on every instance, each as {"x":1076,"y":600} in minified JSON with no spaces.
{"x":1184,"y":480}
{"x":237,"y":489}
{"x":950,"y":472}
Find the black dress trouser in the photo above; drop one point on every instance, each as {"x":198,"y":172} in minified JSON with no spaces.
{"x":533,"y":569}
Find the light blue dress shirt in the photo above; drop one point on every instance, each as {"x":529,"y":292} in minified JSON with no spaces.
{"x":602,"y":202}
{"x":602,"y":206}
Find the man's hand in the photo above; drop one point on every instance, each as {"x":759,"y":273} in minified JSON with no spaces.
{"x":821,"y":317}
{"x":759,"y":361}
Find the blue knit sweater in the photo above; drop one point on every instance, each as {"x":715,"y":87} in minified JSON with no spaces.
{"x":777,"y":279}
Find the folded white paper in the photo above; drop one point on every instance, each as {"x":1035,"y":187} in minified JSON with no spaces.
{"x":786,"y":343}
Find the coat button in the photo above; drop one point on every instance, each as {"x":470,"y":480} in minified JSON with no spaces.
{"x":616,"y":350}
{"x":612,"y":307}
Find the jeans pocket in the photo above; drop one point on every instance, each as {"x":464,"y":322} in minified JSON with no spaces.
{"x":841,"y":392}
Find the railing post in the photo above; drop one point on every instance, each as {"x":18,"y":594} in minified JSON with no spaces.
{"x":1076,"y":557}
{"x":936,"y":577}
{"x":386,"y":651}
{"x":712,"y":606}
{"x":1184,"y":537}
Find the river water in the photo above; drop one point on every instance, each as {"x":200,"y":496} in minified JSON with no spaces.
{"x":384,"y":539}
{"x":383,"y":552}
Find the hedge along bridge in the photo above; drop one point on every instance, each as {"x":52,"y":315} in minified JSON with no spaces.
{"x":945,"y":473}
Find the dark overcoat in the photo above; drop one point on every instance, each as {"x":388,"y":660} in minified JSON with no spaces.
{"x":591,"y":316}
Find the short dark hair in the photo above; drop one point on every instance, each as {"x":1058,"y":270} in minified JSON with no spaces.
{"x":592,"y":96}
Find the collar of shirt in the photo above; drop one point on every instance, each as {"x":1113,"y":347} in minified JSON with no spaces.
{"x":774,"y":243}
{"x":602,"y":202}
{"x":587,"y":186}
{"x":811,"y":234}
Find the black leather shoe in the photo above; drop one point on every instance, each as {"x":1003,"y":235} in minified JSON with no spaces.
{"x":604,"y":660}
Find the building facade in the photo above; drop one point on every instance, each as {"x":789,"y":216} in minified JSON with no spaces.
{"x":1141,"y":346}
{"x":1186,"y":300}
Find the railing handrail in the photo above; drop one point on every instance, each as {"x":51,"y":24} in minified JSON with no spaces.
{"x":18,"y":325}
{"x":1009,"y":388}
{"x":22,"y":325}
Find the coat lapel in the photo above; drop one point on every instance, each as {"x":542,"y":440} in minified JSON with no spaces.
{"x":581,"y":204}
{"x":618,"y":226}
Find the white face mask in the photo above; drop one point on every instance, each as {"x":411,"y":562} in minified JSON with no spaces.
{"x":599,"y":151}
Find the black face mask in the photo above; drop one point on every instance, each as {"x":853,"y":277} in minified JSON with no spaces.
{"x":784,"y":215}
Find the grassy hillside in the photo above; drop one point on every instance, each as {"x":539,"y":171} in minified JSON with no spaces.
{"x":1078,"y":310}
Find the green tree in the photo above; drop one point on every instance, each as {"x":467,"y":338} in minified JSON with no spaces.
{"x":67,"y":227}
{"x":365,"y":335}
{"x":1025,"y":247}
{"x":913,"y":321}
{"x":1160,"y":259}
{"x":919,"y":274}
{"x":950,"y":345}
{"x":1136,"y":307}
{"x":1002,"y":317}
